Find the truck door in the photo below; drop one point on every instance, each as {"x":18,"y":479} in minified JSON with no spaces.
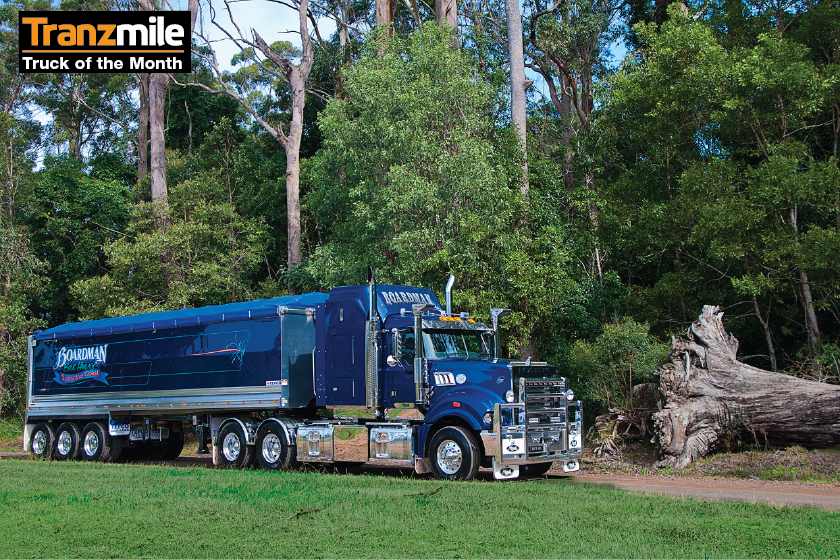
{"x":345,"y":359}
{"x":399,"y":379}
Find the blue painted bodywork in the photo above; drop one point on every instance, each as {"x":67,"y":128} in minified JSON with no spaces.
{"x":486,"y":382}
{"x":306,"y":350}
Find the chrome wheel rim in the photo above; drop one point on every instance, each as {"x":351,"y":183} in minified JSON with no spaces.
{"x":64,"y":443}
{"x":231,"y":447}
{"x":39,"y":443}
{"x":449,"y":457}
{"x":91,"y":443}
{"x":271,"y":448}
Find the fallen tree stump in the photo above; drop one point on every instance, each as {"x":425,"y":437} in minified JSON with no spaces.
{"x":618,"y":426}
{"x":710,"y":396}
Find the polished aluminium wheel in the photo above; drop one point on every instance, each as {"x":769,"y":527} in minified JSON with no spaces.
{"x":231,"y":447}
{"x":42,"y":441}
{"x":91,"y":443}
{"x":449,"y":456}
{"x":65,"y":443}
{"x":39,"y":443}
{"x":272,"y":448}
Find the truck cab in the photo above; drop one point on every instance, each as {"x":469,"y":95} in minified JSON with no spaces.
{"x":439,"y":376}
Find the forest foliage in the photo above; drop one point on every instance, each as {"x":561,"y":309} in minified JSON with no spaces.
{"x":700,"y":169}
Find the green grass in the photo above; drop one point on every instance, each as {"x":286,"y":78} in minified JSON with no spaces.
{"x":53,"y":509}
{"x":11,"y":430}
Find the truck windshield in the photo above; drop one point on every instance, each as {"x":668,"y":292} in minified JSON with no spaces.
{"x":456,"y":344}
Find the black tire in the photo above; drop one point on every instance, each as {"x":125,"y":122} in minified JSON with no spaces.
{"x":273,"y":450}
{"x":96,"y":443}
{"x":174,"y":445}
{"x":454,"y":454}
{"x":535,"y":470}
{"x":234,"y":452}
{"x":167,"y":449}
{"x":67,"y":442}
{"x":116,"y":449}
{"x":156,"y":449}
{"x":42,"y":441}
{"x":136,"y":451}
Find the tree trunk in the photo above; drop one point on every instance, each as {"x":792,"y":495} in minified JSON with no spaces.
{"x":157,"y":100}
{"x":143,"y":131}
{"x":710,"y":397}
{"x":518,"y":85}
{"x":385,"y":14}
{"x":446,"y":13}
{"x":294,"y":256}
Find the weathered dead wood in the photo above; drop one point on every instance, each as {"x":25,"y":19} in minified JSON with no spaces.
{"x":711,"y":396}
{"x":612,"y":430}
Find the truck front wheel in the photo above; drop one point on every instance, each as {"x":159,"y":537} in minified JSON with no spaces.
{"x":234,"y":452}
{"x":273,"y":451}
{"x":67,"y":442}
{"x":454,"y":454}
{"x":42,"y":442}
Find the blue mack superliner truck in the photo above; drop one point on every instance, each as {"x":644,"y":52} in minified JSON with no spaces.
{"x":376,"y":375}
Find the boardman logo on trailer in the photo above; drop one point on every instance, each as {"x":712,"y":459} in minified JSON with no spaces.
{"x":114,"y":42}
{"x":74,"y":365}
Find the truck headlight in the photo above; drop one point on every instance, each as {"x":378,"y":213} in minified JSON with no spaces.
{"x":570,"y":395}
{"x":488,"y":418}
{"x":509,"y":396}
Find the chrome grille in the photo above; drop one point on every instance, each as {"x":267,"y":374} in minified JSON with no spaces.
{"x":546,"y":416}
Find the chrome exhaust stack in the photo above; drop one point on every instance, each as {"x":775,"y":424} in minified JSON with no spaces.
{"x":449,"y":284}
{"x":419,"y":382}
{"x":372,"y":347}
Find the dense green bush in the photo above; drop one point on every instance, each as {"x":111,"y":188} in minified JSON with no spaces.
{"x":622,"y":356}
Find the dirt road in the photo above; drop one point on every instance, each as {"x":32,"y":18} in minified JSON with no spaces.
{"x":823,"y":496}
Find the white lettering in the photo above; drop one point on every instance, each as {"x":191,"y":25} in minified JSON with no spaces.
{"x":140,"y":63}
{"x":134,"y":31}
{"x":84,"y":354}
{"x":174,"y":32}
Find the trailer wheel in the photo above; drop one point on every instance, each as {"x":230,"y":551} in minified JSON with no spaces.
{"x":454,"y":454}
{"x":116,"y":449}
{"x":156,"y":449}
{"x":174,"y":446}
{"x":234,"y":453}
{"x":67,"y":442}
{"x":273,"y":450}
{"x":96,"y":443}
{"x":535,"y":470}
{"x":42,"y":442}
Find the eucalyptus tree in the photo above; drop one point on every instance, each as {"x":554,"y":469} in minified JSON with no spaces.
{"x":280,"y":65}
{"x":415,"y":179}
{"x":157,"y":86}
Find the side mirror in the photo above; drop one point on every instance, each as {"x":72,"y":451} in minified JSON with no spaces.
{"x":396,"y":348}
{"x":495,"y":315}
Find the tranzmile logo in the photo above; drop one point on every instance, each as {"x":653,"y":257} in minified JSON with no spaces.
{"x":113,"y":42}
